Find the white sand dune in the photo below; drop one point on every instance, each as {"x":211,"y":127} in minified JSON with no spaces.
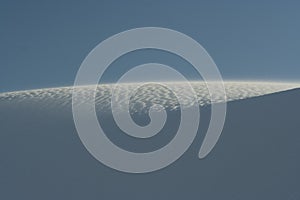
{"x":256,"y":157}
{"x":62,"y":96}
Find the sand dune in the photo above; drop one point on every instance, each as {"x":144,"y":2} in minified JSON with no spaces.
{"x":42,"y":157}
{"x":61,"y":97}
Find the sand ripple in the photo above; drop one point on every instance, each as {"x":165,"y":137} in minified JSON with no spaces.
{"x":146,"y":95}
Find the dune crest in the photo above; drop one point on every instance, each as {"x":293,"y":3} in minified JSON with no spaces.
{"x":62,"y":96}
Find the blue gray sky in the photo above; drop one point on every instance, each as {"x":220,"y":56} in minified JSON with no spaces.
{"x":44,"y":42}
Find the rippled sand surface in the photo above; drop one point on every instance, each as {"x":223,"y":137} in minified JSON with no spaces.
{"x":145,"y":95}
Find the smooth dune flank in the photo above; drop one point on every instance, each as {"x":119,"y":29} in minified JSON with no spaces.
{"x":62,"y":96}
{"x":256,"y":157}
